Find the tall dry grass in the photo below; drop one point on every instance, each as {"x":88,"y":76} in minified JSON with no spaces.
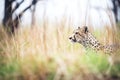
{"x":43,"y":53}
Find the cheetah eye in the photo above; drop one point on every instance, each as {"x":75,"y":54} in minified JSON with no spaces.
{"x":76,"y":33}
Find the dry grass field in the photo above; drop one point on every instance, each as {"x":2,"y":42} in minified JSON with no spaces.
{"x":42,"y":53}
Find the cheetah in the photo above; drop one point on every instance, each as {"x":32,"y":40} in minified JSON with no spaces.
{"x":85,"y":38}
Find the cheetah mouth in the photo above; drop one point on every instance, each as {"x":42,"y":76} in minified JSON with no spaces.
{"x":73,"y":40}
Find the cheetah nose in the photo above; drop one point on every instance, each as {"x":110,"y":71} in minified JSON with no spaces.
{"x":70,"y":37}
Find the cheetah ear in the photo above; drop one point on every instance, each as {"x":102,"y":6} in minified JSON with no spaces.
{"x":85,"y":29}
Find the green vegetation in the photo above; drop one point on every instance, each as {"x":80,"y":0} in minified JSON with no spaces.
{"x":38,"y":54}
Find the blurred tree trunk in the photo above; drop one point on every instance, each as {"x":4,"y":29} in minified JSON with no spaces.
{"x":33,"y":12}
{"x":7,"y":20}
{"x":115,"y":9}
{"x":33,"y":16}
{"x":116,"y":4}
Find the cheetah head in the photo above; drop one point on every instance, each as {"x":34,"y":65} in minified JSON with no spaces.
{"x":79,"y":35}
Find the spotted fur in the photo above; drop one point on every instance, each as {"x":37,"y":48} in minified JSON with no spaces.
{"x":84,"y":37}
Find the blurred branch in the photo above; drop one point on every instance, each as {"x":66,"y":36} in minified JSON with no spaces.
{"x":17,"y":5}
{"x":12,"y":1}
{"x":10,"y":23}
{"x":16,"y":20}
{"x":119,"y":3}
{"x":18,"y":17}
{"x":34,"y":2}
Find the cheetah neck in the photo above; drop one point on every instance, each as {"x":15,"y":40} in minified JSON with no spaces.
{"x":94,"y":43}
